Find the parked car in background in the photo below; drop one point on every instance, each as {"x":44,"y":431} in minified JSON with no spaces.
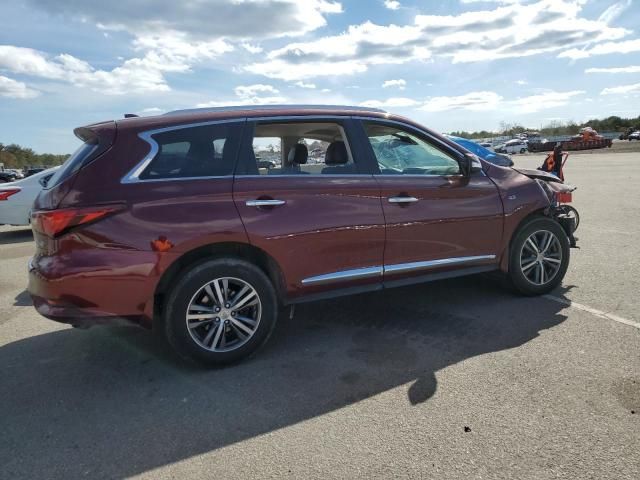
{"x":172,"y":224}
{"x":484,"y":153}
{"x":18,"y":173}
{"x":7,"y":176}
{"x":486,"y":144}
{"x":33,"y":171}
{"x":512,"y":146}
{"x":635,"y":135}
{"x":16,"y":198}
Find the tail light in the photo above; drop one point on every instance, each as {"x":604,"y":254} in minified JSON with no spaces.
{"x":54,"y":223}
{"x":7,"y":192}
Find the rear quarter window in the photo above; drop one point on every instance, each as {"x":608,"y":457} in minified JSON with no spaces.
{"x":192,"y":152}
{"x":72,"y":164}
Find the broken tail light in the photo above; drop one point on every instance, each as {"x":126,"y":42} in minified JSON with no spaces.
{"x":54,"y":223}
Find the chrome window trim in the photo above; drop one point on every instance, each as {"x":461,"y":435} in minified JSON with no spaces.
{"x":310,"y":106}
{"x":353,"y":274}
{"x":366,"y":272}
{"x":134,"y":174}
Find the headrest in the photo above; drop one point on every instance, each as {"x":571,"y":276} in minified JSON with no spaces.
{"x":298,"y":154}
{"x":336,"y":154}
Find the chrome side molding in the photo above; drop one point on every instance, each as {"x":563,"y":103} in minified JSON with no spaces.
{"x":344,"y":275}
{"x":407,"y":267}
{"x":378,"y":271}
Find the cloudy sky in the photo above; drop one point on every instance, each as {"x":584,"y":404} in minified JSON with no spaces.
{"x":452,"y":64}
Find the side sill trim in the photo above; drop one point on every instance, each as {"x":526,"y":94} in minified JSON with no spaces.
{"x":354,"y":274}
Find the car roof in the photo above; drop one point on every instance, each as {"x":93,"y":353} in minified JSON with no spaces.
{"x":195,"y":115}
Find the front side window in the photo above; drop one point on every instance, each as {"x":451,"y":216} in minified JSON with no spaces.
{"x":304,"y":148}
{"x":205,"y":151}
{"x":400,"y":152}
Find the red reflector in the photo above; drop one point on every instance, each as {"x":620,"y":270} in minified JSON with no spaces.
{"x":564,"y":197}
{"x":55,"y":222}
{"x":7,"y":192}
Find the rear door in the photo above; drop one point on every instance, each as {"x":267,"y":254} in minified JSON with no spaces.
{"x":436,"y":219}
{"x":318,"y":215}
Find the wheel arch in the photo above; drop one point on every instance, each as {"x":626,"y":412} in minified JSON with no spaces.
{"x":238,"y":250}
{"x":539,"y":213}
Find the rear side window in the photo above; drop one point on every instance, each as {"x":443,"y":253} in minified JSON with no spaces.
{"x":72,"y":164}
{"x":192,"y":152}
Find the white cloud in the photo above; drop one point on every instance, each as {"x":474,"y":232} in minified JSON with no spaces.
{"x":629,"y":69}
{"x":480,"y":101}
{"x":607,"y":48}
{"x":204,"y":19}
{"x":614,"y":11}
{"x":245,"y":91}
{"x":249,"y":95}
{"x":522,"y":82}
{"x":400,"y":83}
{"x":301,"y":84}
{"x":471,"y":101}
{"x":393,"y":102}
{"x":160,"y":54}
{"x":13,"y":89}
{"x":621,"y":89}
{"x":251,"y":48}
{"x":543,"y":101}
{"x":392,"y":4}
{"x":514,"y":30}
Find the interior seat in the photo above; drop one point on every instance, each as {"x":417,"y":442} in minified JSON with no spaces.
{"x":298,"y":155}
{"x":337,"y":159}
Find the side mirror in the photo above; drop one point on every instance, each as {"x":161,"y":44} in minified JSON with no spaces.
{"x":470,"y":164}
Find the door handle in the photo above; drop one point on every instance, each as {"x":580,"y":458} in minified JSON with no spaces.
{"x":403,"y":199}
{"x":264,"y":203}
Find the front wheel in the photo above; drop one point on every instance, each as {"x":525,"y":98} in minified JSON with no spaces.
{"x":220,"y":311}
{"x":523,"y":150}
{"x":538,"y":257}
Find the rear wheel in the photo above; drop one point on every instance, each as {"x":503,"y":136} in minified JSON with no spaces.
{"x":539,"y":257}
{"x":220,"y":311}
{"x":523,"y":150}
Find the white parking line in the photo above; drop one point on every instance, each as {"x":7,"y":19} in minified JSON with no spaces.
{"x":594,"y":311}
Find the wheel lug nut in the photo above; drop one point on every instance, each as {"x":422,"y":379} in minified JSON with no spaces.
{"x":226,"y":305}
{"x":233,"y":314}
{"x":217,"y":320}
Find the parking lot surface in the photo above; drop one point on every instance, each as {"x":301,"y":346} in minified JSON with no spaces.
{"x":453,"y":379}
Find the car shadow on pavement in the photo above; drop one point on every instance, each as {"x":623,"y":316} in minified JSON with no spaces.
{"x":16,"y":236}
{"x":111,"y":402}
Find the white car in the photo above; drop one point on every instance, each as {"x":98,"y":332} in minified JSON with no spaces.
{"x":513,"y":146}
{"x":16,"y":198}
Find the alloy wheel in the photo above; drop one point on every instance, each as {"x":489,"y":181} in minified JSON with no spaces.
{"x":224,"y":314}
{"x":541,"y":257}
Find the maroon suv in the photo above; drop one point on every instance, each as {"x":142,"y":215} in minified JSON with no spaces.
{"x":202,"y":223}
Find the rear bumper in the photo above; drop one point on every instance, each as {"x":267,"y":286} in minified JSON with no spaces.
{"x":83,"y":289}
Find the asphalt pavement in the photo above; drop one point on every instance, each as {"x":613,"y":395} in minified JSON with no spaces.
{"x":452,"y":379}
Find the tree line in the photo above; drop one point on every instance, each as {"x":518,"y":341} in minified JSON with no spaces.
{"x":554,"y":128}
{"x":15,"y":156}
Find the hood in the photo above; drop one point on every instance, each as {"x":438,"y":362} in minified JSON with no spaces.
{"x":538,"y":174}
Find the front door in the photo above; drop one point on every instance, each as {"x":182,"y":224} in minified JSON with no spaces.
{"x":436,"y":219}
{"x":307,"y":200}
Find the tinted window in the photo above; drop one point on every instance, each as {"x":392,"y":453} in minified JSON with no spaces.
{"x":207,"y":151}
{"x":400,"y":152}
{"x":72,"y":164}
{"x":303,"y":148}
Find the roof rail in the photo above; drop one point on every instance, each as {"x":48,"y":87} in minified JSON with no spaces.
{"x":275,"y":107}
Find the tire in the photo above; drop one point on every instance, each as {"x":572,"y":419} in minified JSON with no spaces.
{"x":529,"y":273}
{"x":523,"y":150}
{"x":212,"y":337}
{"x":572,"y":212}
